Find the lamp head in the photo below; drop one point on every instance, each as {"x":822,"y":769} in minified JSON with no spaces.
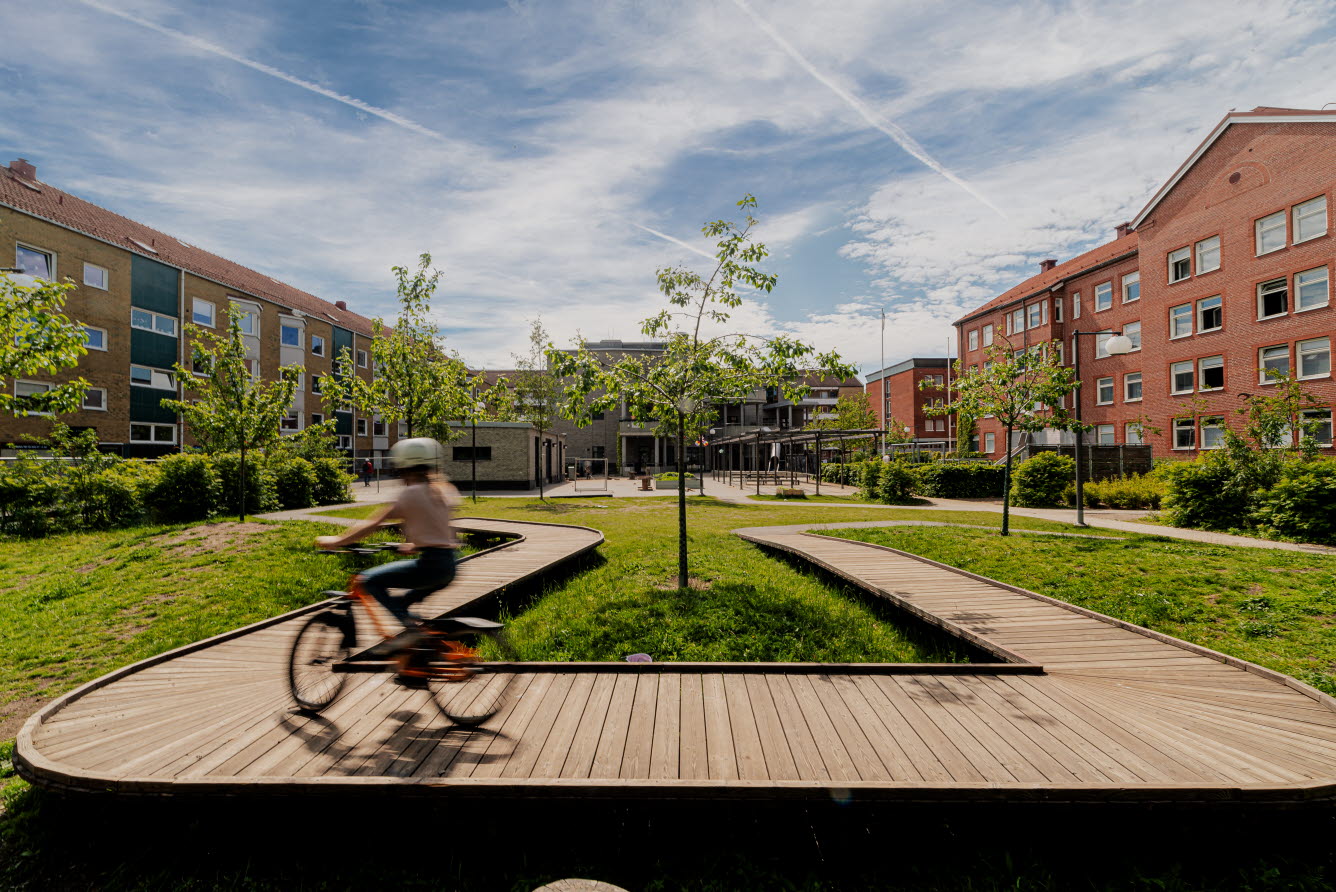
{"x":1118,"y":345}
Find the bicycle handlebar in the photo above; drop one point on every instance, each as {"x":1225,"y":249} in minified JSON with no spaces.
{"x":373,"y":548}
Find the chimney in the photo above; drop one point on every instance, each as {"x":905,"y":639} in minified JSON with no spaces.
{"x":341,"y":304}
{"x":21,"y":168}
{"x":1123,"y":229}
{"x":1046,"y":265}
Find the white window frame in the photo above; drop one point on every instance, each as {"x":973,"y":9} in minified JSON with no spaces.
{"x":1200,"y":250}
{"x":972,"y":338}
{"x":1184,"y":425}
{"x":1132,"y":331}
{"x":1306,"y":210}
{"x":248,"y":311}
{"x":1034,"y":315}
{"x":1102,"y":385}
{"x":1181,"y":254}
{"x":106,"y":276}
{"x":989,"y":443}
{"x":154,"y":319}
{"x":1176,"y":368}
{"x":401,"y":429}
{"x":315,"y":384}
{"x":1262,"y":376}
{"x":83,"y":404}
{"x":284,"y":325}
{"x":1260,"y":285}
{"x":317,"y":418}
{"x":361,"y":427}
{"x":345,"y":441}
{"x":159,"y":379}
{"x":1104,"y":290}
{"x":49,"y":255}
{"x":253,"y":367}
{"x":1106,"y":430}
{"x":1208,"y":424}
{"x":1210,"y":362}
{"x":1299,"y":286}
{"x":1057,"y":309}
{"x":379,"y":428}
{"x":1175,"y":316}
{"x":1128,"y":281}
{"x":1127,"y":387}
{"x":1265,"y":226}
{"x":1102,"y":343}
{"x":1219,"y":304}
{"x":153,"y":427}
{"x":291,"y":422}
{"x":33,"y":391}
{"x":1303,"y":350}
{"x":987,"y":335}
{"x":1132,"y":433}
{"x":89,"y":344}
{"x":1320,"y":413}
{"x":361,"y":359}
{"x":1076,"y":305}
{"x":195,"y":304}
{"x":317,"y":345}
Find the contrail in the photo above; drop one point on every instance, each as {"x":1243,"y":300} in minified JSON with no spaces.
{"x":675,"y":241}
{"x":898,"y":135}
{"x":204,"y":45}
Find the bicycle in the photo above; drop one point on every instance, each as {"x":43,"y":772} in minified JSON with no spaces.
{"x":433,"y":655}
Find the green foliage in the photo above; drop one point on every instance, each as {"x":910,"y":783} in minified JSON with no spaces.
{"x":959,"y":480}
{"x":1205,"y":494}
{"x":187,"y":488}
{"x":895,"y":485}
{"x":869,"y":475}
{"x":1302,"y":504}
{"x":1131,"y":491}
{"x":261,"y":492}
{"x":37,"y":339}
{"x":295,"y":482}
{"x":332,"y":481}
{"x":1039,"y":481}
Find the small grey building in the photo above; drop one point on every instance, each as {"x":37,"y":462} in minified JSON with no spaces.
{"x":508,"y":454}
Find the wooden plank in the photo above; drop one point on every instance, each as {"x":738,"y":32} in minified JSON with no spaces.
{"x":720,"y":755}
{"x":746,"y":736}
{"x":663,"y":760}
{"x":770,"y":729}
{"x":692,"y":760}
{"x":838,"y":762}
{"x":638,"y":753}
{"x":585,"y":740}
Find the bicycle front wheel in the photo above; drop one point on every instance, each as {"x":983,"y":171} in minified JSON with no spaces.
{"x":475,"y":701}
{"x":321,"y":643}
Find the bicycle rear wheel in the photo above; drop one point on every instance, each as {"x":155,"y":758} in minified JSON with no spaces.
{"x":475,"y":701}
{"x":322,"y":642}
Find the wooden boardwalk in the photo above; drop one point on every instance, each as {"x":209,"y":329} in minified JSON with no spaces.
{"x":1077,"y":707}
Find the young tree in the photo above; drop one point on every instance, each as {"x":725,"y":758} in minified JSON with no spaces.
{"x":681,"y":386}
{"x":416,"y":381}
{"x":1024,"y":390}
{"x":532,"y":393}
{"x":37,"y":338}
{"x":232,"y":410}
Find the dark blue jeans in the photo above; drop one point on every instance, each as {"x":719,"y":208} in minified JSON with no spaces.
{"x":431,"y":571}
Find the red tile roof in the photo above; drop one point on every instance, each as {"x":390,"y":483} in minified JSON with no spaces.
{"x":1045,"y":280}
{"x":42,"y":200}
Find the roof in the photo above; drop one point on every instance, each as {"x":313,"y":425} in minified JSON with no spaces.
{"x":1096,"y":257}
{"x":1261,"y":115}
{"x":920,"y":362}
{"x":813,"y":379}
{"x":29,"y":195}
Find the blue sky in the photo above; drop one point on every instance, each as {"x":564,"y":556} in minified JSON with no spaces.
{"x":917,"y":157}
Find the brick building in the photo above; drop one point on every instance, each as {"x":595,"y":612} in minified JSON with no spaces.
{"x":1224,"y":274}
{"x":136,"y":289}
{"x":902,"y":392}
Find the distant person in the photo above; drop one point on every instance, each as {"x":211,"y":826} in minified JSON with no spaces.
{"x":368,"y":471}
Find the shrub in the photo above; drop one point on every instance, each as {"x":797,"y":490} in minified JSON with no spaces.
{"x":1131,"y":491}
{"x":261,"y":491}
{"x":295,"y":482}
{"x":869,"y":473}
{"x":896,"y":483}
{"x":1300,"y":505}
{"x":331,"y":481}
{"x":959,"y":480}
{"x":109,"y":499}
{"x":187,"y":488}
{"x":1038,"y":482}
{"x":1205,"y":493}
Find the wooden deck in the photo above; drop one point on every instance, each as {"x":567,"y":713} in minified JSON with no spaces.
{"x":1078,"y":707}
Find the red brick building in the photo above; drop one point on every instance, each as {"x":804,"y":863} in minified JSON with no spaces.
{"x":1225,"y":273}
{"x":900,"y":394}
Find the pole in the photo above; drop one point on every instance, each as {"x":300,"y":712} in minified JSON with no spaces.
{"x":758,"y":463}
{"x":474,"y":453}
{"x":1076,"y":394}
{"x":884,"y":401}
{"x":818,"y":462}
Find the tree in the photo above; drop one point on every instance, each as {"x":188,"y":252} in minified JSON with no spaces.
{"x":37,"y":338}
{"x":416,"y":381}
{"x":532,"y":393}
{"x":1272,"y":418}
{"x":232,"y":410}
{"x":681,"y":386}
{"x":1023,"y":389}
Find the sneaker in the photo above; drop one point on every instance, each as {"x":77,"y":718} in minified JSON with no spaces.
{"x":416,"y":682}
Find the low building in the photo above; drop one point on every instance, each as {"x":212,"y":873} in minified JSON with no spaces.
{"x":901,"y":395}
{"x":504,"y":455}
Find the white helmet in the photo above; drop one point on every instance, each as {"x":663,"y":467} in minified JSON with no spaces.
{"x":419,"y":452}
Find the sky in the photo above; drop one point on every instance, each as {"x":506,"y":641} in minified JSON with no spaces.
{"x":916,"y":158}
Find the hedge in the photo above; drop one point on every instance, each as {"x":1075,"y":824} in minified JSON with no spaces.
{"x":959,"y":480}
{"x":1039,"y":482}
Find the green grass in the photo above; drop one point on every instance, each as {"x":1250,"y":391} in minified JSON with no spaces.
{"x":810,"y":497}
{"x":1274,"y":608}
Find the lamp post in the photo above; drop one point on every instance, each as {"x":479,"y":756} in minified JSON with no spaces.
{"x":1117,"y":345}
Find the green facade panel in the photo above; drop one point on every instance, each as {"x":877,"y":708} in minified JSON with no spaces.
{"x":151,"y":348}
{"x":146,"y":405}
{"x":343,"y":423}
{"x":343,"y":340}
{"x":154,"y":286}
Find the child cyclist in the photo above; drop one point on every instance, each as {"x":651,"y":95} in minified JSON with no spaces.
{"x":423,"y":509}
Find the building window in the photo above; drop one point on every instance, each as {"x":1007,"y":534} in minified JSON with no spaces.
{"x":469,"y":453}
{"x":200,"y":366}
{"x":202,"y":312}
{"x":1131,"y":287}
{"x":1314,"y":358}
{"x":95,"y":276}
{"x":1320,"y":421}
{"x":989,"y":442}
{"x":253,"y":367}
{"x":249,"y":321}
{"x":1057,"y":309}
{"x":361,"y":359}
{"x":361,"y":427}
{"x":1210,"y":316}
{"x":1181,"y":377}
{"x":1310,"y":289}
{"x":1132,"y":433}
{"x":1132,"y":387}
{"x":1180,"y":264}
{"x":1017,"y":320}
{"x":1212,"y":432}
{"x":1180,"y":321}
{"x":401,"y":429}
{"x":1271,"y":233}
{"x":987,"y":335}
{"x":1132,"y":331}
{"x":1310,"y":219}
{"x":345,"y":441}
{"x":1076,"y":305}
{"x":1103,"y":296}
{"x":290,"y":422}
{"x":1104,"y":391}
{"x":1273,"y":298}
{"x":95,"y":338}
{"x":974,"y":339}
{"x":143,"y":376}
{"x":154,"y":322}
{"x":1272,"y":359}
{"x":1211,"y":373}
{"x":162,"y":434}
{"x":95,"y":398}
{"x":600,"y":452}
{"x":289,"y":335}
{"x":1034,"y":315}
{"x":35,"y":262}
{"x":1102,"y":344}
{"x":316,"y":383}
{"x":377,"y":428}
{"x":317,"y":418}
{"x":1185,"y":433}
{"x":31,"y":388}
{"x":317,"y":345}
{"x":1208,"y":254}
{"x":1104,"y":435}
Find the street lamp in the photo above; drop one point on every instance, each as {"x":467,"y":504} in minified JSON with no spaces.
{"x":1117,"y":345}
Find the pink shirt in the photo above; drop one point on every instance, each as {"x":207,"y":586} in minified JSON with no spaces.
{"x":424,"y":510}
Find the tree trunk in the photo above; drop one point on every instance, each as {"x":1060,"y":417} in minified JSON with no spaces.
{"x":541,"y":467}
{"x":1006,"y":489}
{"x":241,"y":477}
{"x":682,"y":578}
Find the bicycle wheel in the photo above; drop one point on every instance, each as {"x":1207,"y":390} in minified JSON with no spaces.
{"x":321,"y":643}
{"x":476,"y":700}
